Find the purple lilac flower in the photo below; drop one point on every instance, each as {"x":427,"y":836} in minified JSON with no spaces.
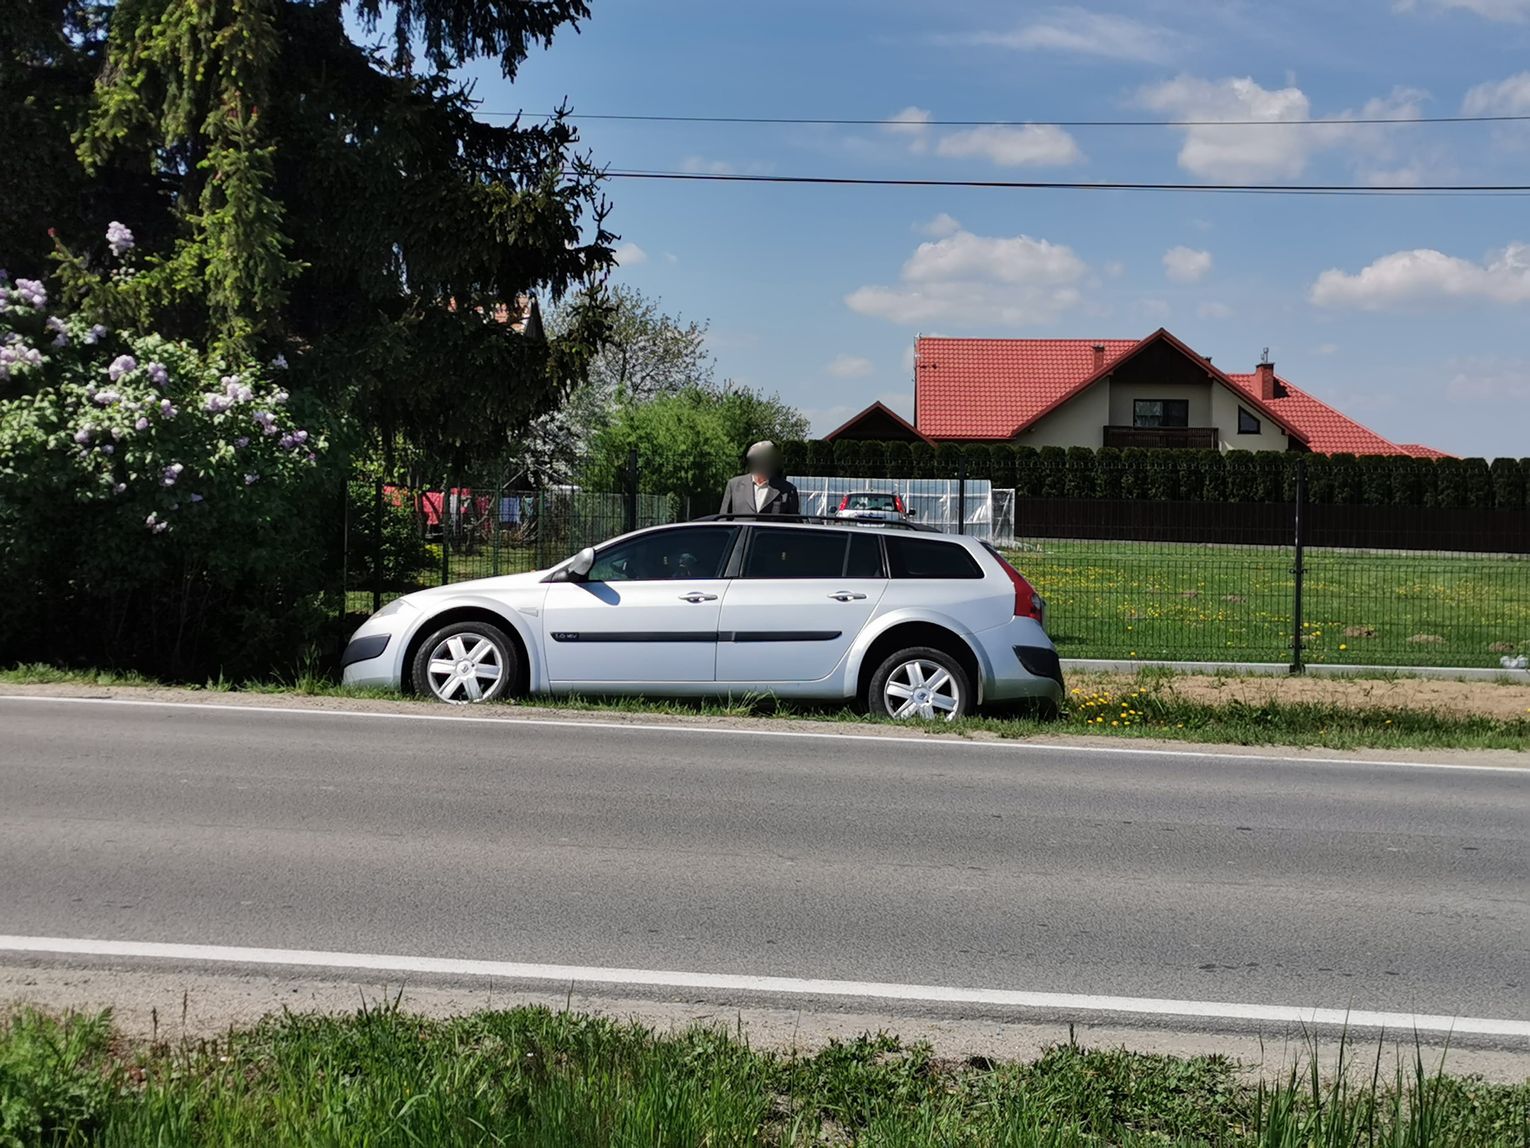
{"x":117,"y":433}
{"x":18,"y":354}
{"x":280,"y":398}
{"x":154,"y":524}
{"x":108,"y":448}
{"x":216,"y":404}
{"x":121,"y":365}
{"x":242,"y":441}
{"x":61,"y":332}
{"x":119,"y":239}
{"x":171,"y":473}
{"x":94,"y":335}
{"x":82,"y":436}
{"x":251,"y":479}
{"x":28,"y":293}
{"x":279,"y":363}
{"x":142,"y":424}
{"x":158,"y":375}
{"x":267,"y":422}
{"x":106,"y":398}
{"x":167,"y":409}
{"x":119,"y":488}
{"x":196,"y":498}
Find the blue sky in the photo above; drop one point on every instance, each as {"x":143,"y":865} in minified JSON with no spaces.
{"x":1407,"y":313}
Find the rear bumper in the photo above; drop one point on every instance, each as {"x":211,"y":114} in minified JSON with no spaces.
{"x":1022,"y":663}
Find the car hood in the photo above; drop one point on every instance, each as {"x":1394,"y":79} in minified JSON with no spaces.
{"x":481,"y":585}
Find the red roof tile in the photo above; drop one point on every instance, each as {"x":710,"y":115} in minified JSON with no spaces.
{"x":990,"y":388}
{"x":1419,"y":450}
{"x":994,"y":388}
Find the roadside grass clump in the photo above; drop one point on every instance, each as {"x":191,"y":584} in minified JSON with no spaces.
{"x":533,"y":1078}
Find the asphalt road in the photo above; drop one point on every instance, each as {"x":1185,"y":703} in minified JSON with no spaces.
{"x":1185,"y":877}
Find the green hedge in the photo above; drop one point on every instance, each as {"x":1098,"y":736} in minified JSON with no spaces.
{"x":1190,"y":475}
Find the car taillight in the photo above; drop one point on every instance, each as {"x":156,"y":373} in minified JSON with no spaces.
{"x":1027,"y":602}
{"x":844,"y":503}
{"x":897,"y":504}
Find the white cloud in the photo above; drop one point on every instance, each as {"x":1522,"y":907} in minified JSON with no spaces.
{"x":1326,"y":349}
{"x":1236,"y":153}
{"x":913,"y":124}
{"x":939,"y":227}
{"x":1490,"y":380}
{"x":1036,"y":145}
{"x":1510,"y":97}
{"x":1408,"y":278}
{"x":702,"y":165}
{"x":976,"y":280}
{"x":1114,"y":269}
{"x":1214,"y":310}
{"x":1508,"y":11}
{"x":1087,"y":33}
{"x":1186,"y":264}
{"x":849,"y":367}
{"x":630,"y":255}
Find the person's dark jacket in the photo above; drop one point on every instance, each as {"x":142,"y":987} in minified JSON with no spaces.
{"x":738,"y":497}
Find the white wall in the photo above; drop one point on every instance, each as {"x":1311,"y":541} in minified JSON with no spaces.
{"x":1078,"y":422}
{"x":1224,"y":412}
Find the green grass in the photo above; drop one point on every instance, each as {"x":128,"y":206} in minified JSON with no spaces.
{"x":1182,"y":602}
{"x":530,"y":1078}
{"x":1098,"y":706}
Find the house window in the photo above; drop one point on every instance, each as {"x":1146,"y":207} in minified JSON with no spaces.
{"x":1247,"y":423}
{"x":1161,"y":413}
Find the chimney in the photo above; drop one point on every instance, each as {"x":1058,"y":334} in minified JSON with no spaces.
{"x":1264,"y":375}
{"x":1099,"y":355}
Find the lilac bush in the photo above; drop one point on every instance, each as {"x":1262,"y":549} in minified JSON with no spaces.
{"x":145,"y":479}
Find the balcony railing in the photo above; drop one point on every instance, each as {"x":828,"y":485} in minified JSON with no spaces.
{"x":1199,"y":438}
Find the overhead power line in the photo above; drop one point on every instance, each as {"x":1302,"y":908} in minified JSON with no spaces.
{"x":1461,"y":189}
{"x":826,"y":121}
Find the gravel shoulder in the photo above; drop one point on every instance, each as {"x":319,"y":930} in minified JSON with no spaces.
{"x":608,"y":717}
{"x":150,"y":1003}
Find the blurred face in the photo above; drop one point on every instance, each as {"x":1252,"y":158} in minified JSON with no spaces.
{"x":764,"y":463}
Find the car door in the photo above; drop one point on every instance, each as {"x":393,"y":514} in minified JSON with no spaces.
{"x":802,"y":595}
{"x":647,"y":613}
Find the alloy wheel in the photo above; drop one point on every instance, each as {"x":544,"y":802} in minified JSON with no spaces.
{"x":920,"y":688}
{"x":465,"y":667}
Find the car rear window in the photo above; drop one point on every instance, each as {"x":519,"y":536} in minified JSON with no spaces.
{"x":803,"y":553}
{"x":870,"y":502}
{"x":928,"y":558}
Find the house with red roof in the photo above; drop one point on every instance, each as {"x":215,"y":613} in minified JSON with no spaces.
{"x":1152,"y":392}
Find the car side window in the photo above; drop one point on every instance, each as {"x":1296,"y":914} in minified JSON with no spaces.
{"x":696,"y":552}
{"x":865,"y":557}
{"x":927,"y":558}
{"x":797,"y":553}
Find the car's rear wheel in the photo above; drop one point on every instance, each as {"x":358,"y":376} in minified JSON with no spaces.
{"x":466,"y":662}
{"x":920,"y":682}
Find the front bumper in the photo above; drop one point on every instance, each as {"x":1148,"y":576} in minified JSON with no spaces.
{"x":371,"y":657}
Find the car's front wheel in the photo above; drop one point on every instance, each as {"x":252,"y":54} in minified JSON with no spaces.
{"x":920,"y":683}
{"x":466,"y":662}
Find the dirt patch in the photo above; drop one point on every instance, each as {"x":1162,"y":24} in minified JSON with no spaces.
{"x":1489,"y":699}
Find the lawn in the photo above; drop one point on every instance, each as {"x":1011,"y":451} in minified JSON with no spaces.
{"x":1187,"y":602}
{"x":531,"y":1077}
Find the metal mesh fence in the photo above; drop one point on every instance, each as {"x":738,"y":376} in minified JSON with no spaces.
{"x":1134,"y":565}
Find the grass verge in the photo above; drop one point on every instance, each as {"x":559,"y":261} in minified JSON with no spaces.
{"x":531,"y":1077}
{"x":1105,"y":706}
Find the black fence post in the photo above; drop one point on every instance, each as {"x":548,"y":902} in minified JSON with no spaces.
{"x":447,"y":526}
{"x":345,"y":545}
{"x":632,"y":490}
{"x":377,"y":544}
{"x":961,"y":493}
{"x":1298,"y":567}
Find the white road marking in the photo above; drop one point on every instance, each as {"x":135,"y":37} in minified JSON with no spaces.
{"x":739,"y":731}
{"x":796,"y":986}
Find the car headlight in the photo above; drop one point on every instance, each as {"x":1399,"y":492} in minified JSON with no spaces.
{"x":397,"y":606}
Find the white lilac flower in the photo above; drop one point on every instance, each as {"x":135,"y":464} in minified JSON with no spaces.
{"x":171,"y":473}
{"x":117,"y":433}
{"x":216,"y":403}
{"x":119,"y":488}
{"x":279,"y":363}
{"x":106,"y":398}
{"x":158,"y":375}
{"x":152,"y":519}
{"x":121,"y":365}
{"x":251,"y":479}
{"x":142,"y":424}
{"x":119,"y":239}
{"x":167,"y":409}
{"x":280,"y":398}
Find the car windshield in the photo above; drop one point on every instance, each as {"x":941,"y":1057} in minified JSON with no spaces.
{"x":871,"y":502}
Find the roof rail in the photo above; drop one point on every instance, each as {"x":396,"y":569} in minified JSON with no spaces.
{"x":833,"y":519}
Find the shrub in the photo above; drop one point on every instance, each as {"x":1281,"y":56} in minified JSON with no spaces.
{"x":165,"y":503}
{"x":1242,"y":476}
{"x":1079,"y":477}
{"x":1476,"y":483}
{"x":1508,"y":484}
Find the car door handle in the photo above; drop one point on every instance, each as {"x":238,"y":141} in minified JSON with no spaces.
{"x":698,"y":596}
{"x":847,"y":595}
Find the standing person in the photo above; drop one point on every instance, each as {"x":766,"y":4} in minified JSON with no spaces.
{"x":762,"y":489}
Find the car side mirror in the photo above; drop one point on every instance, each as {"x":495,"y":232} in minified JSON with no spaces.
{"x":583,"y":563}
